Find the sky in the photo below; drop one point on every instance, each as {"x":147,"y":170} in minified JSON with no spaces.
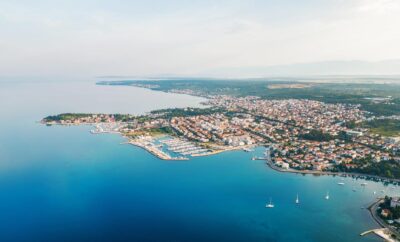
{"x":89,"y":38}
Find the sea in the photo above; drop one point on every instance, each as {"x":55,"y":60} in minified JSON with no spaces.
{"x":63,"y":183}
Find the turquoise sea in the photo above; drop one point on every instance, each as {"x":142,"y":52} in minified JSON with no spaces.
{"x":65,"y":184}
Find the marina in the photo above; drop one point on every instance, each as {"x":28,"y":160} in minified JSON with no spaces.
{"x":183,"y":147}
{"x":108,"y":128}
{"x":148,"y":143}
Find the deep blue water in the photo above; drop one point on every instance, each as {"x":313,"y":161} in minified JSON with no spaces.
{"x":65,"y":184}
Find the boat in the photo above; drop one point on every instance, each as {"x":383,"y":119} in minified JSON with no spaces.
{"x":297,"y":199}
{"x":363,"y":184}
{"x":247,"y":149}
{"x":374,"y":192}
{"x":327,"y":196}
{"x":341,"y":183}
{"x":270,"y":204}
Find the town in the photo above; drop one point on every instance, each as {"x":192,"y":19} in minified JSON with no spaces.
{"x":300,"y":134}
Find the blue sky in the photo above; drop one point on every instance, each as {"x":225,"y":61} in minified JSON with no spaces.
{"x":87,"y":38}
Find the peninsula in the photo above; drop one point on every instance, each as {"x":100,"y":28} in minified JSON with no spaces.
{"x":301,"y":134}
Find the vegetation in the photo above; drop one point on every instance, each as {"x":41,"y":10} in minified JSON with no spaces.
{"x":152,"y":132}
{"x":384,"y":168}
{"x":124,"y":117}
{"x":384,"y":127}
{"x":394,"y":212}
{"x":66,"y":116}
{"x":317,"y":135}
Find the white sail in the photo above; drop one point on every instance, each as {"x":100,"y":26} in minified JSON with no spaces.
{"x":270,"y":204}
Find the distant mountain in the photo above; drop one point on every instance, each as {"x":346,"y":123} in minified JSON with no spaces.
{"x":332,"y":68}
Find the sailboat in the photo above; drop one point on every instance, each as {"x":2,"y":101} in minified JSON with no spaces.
{"x":270,"y":204}
{"x":297,"y":199}
{"x":327,"y":196}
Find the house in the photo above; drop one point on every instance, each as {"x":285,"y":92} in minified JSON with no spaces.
{"x":385,"y":213}
{"x":317,"y":166}
{"x":285,"y":165}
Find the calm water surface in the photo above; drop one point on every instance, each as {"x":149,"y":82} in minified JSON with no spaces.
{"x":64,"y":184}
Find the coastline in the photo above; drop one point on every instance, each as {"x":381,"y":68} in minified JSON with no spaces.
{"x":372,"y":210}
{"x":217,"y":151}
{"x":330,"y":173}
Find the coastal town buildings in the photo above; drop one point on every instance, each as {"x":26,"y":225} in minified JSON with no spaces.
{"x":303,"y":134}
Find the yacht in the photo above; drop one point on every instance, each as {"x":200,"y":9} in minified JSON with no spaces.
{"x":270,"y":204}
{"x":341,"y":183}
{"x":297,"y":199}
{"x":327,"y":196}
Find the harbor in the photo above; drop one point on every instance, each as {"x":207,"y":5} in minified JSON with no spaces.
{"x":147,"y":143}
{"x":183,"y":147}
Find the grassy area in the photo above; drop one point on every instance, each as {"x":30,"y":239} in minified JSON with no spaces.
{"x":384,"y":127}
{"x":151,"y":132}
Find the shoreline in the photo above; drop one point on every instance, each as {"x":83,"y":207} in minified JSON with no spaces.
{"x":372,"y":210}
{"x":330,"y":173}
{"x":269,"y":163}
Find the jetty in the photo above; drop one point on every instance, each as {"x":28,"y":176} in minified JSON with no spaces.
{"x":384,"y":233}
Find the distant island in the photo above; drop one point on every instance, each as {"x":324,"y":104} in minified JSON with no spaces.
{"x":304,"y":128}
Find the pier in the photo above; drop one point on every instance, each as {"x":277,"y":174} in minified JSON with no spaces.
{"x":384,"y":233}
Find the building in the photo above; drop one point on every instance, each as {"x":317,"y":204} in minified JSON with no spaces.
{"x":395,"y":202}
{"x":354,"y":133}
{"x":385,"y":213}
{"x":285,"y":165}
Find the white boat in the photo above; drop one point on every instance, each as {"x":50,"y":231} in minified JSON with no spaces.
{"x":297,"y":199}
{"x":374,"y":192}
{"x":270,"y":204}
{"x":341,"y":183}
{"x":327,"y":196}
{"x":364,"y":184}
